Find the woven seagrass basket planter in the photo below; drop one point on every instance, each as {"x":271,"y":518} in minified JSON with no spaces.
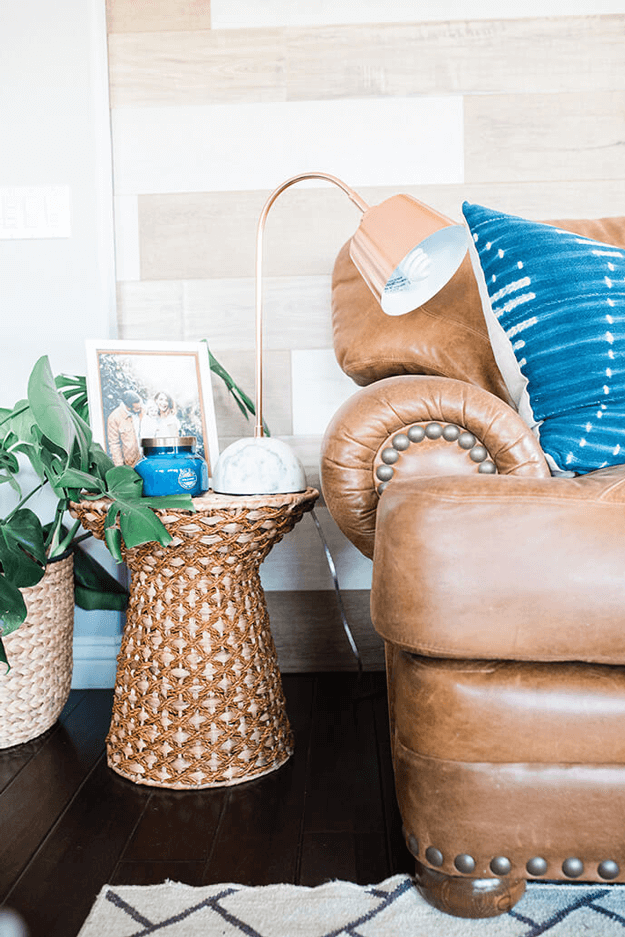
{"x":198,"y":697}
{"x":37,"y":686}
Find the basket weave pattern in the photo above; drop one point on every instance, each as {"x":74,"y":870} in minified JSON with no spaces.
{"x":36,"y":688}
{"x":198,"y":697}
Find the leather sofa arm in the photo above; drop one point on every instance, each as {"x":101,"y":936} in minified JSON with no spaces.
{"x":417,"y":425}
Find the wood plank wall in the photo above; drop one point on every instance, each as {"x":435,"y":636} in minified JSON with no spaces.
{"x":215,"y":102}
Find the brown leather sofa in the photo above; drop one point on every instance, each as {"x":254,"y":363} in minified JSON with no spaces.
{"x":500,"y":593}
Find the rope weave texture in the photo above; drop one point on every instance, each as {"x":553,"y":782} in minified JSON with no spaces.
{"x":36,"y":688}
{"x":198,"y":697}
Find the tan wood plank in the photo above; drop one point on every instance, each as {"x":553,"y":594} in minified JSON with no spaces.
{"x":210,"y":235}
{"x":473,"y":56}
{"x":521,"y":138}
{"x":277,"y":406}
{"x":124,"y":16}
{"x":296,"y":312}
{"x":309,"y":634}
{"x":196,"y":67}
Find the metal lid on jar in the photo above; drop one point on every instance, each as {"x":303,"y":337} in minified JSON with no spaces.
{"x":161,"y":442}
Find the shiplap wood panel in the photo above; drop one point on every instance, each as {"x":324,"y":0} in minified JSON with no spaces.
{"x":545,"y":136}
{"x":319,"y":388}
{"x":150,"y":309}
{"x":472,"y":57}
{"x":210,"y":235}
{"x":208,"y":120}
{"x":196,"y":67}
{"x":220,"y":147}
{"x":277,"y":395}
{"x":126,"y":217}
{"x":296,"y":312}
{"x":227,"y":14}
{"x":208,"y":67}
{"x":309,"y":636}
{"x":149,"y":15}
{"x":299,"y":560}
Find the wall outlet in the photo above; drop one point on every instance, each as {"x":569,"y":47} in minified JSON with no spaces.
{"x":35,"y":211}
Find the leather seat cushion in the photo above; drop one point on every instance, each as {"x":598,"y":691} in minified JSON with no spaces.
{"x":503,"y":567}
{"x":509,"y":711}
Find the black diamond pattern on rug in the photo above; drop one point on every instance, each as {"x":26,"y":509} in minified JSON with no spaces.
{"x":386,"y":899}
{"x":343,"y":909}
{"x":589,"y":900}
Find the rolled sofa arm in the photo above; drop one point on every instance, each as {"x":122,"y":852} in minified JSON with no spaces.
{"x":417,"y":425}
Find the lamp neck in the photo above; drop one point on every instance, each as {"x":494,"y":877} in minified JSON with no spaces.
{"x":358,"y":202}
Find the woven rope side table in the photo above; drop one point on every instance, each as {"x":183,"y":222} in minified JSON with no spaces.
{"x":198,"y":696}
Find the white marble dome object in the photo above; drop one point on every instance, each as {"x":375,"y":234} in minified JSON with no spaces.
{"x":258,"y":465}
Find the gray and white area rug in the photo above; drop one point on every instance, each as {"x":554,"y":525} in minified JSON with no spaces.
{"x":342,"y":909}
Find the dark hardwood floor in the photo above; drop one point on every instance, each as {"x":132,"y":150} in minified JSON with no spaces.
{"x":70,"y":825}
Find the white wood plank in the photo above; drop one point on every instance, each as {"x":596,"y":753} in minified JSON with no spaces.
{"x":127,"y":263}
{"x":150,"y":310}
{"x":256,"y":146}
{"x":319,"y":389}
{"x":545,"y":136}
{"x":296,"y":312}
{"x":252,"y":13}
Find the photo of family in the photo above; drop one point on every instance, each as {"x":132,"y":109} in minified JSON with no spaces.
{"x":148,"y":390}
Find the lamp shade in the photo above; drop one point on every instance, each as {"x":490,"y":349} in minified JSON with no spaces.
{"x":406,"y":252}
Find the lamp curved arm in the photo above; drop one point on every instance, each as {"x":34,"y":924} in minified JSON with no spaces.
{"x":355,"y":198}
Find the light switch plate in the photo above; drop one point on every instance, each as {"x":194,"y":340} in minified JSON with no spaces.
{"x":35,"y":211}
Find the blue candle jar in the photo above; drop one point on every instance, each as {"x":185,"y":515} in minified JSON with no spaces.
{"x":171,"y":466}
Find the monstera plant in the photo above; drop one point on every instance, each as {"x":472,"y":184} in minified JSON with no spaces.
{"x":48,"y":431}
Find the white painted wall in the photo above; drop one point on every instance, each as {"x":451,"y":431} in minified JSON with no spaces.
{"x":55,"y":130}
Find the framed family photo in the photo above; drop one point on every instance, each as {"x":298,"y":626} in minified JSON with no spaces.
{"x":140,"y":390}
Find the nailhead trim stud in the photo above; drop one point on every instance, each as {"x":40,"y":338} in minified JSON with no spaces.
{"x":417,"y":433}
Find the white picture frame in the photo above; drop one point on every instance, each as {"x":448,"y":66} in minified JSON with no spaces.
{"x":151,"y":371}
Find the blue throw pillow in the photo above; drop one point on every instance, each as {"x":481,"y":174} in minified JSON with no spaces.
{"x":554,"y":304}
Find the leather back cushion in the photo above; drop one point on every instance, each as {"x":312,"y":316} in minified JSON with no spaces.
{"x":447,"y":336}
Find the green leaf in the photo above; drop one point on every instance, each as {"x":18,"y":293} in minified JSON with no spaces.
{"x":74,"y":478}
{"x":139,"y":524}
{"x":21,"y":424}
{"x":12,"y":606}
{"x":179,"y":502}
{"x":101,"y":462}
{"x":122,"y":480}
{"x":74,"y":389}
{"x":50,"y":409}
{"x":94,"y":587}
{"x":22,"y":550}
{"x":3,"y":657}
{"x":112,"y":534}
{"x":9,"y":468}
